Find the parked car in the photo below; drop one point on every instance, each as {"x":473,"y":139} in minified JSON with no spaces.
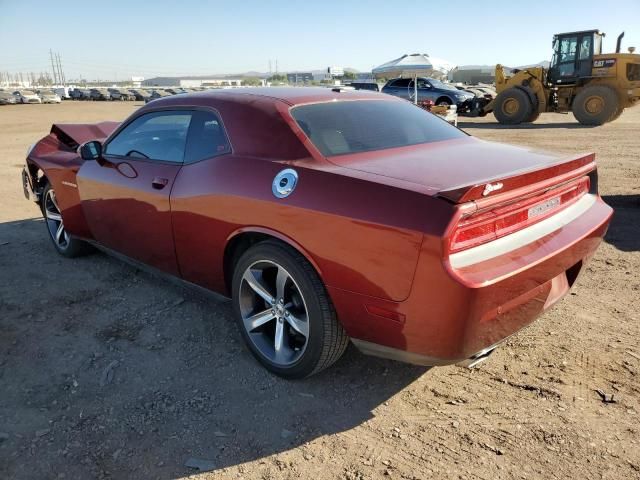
{"x":327,"y":216}
{"x":157,"y":94}
{"x":79,"y":94}
{"x":27,"y":96}
{"x":140,"y":94}
{"x":488,"y":91}
{"x":430,"y":89}
{"x":63,"y":92}
{"x":120,"y":94}
{"x":99,"y":94}
{"x":7,"y":98}
{"x":365,"y":86}
{"x":49,"y":96}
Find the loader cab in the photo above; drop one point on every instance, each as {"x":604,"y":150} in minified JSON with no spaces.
{"x":573,"y":56}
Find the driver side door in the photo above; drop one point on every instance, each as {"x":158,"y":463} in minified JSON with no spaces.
{"x":125,"y":194}
{"x":425,"y":90}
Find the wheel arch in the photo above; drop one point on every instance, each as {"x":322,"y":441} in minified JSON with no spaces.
{"x":447,"y":98}
{"x":244,"y":238}
{"x":38,"y":177}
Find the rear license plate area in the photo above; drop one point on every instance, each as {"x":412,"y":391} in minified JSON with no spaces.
{"x":543,"y":207}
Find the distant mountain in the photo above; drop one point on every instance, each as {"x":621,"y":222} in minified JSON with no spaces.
{"x":250,"y":73}
{"x":543,"y":63}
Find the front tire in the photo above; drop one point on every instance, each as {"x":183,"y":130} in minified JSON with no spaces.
{"x":284,"y":313}
{"x":513,"y":106}
{"x":64,"y":243}
{"x":617,"y":115}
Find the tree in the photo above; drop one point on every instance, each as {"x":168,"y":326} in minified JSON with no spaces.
{"x":251,"y":82}
{"x":278,"y":77}
{"x":349,"y":76}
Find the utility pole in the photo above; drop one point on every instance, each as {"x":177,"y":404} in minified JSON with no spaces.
{"x":53,"y":68}
{"x":276,"y":66}
{"x":60,"y":72}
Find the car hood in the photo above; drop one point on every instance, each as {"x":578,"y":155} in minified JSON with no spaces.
{"x":453,"y":168}
{"x":74,"y":134}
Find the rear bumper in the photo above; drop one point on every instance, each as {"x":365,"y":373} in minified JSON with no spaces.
{"x":458,"y":310}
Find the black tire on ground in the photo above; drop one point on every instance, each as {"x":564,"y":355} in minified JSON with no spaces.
{"x":326,"y":341}
{"x":595,"y":105}
{"x":513,"y":106}
{"x":534,"y":116}
{"x":617,"y":114}
{"x":67,"y":245}
{"x":444,"y":101}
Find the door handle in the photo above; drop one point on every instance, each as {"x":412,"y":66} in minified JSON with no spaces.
{"x":159,"y":183}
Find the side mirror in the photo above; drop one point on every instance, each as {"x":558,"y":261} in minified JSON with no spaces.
{"x":90,"y":150}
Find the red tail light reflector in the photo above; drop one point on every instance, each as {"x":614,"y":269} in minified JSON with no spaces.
{"x":483,"y":227}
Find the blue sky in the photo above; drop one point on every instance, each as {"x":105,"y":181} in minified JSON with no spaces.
{"x":116,"y":39}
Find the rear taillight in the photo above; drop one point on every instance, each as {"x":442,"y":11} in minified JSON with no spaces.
{"x":483,"y":227}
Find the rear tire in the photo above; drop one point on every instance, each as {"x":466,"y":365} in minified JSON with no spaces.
{"x":284,"y":313}
{"x":595,"y":105}
{"x":513,"y":107}
{"x":64,"y":243}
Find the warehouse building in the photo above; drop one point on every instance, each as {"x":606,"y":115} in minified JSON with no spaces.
{"x":296,"y":78}
{"x":191,"y":82}
{"x":473,"y":74}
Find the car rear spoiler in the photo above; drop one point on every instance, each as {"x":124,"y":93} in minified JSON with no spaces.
{"x":520,"y":183}
{"x":74,"y":134}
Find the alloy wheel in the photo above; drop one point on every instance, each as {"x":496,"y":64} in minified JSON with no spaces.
{"x":274,"y":312}
{"x":53,"y":217}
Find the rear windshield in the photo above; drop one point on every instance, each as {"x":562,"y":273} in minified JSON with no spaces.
{"x":339,"y":128}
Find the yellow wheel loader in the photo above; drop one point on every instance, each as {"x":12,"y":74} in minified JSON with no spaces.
{"x":596,"y":87}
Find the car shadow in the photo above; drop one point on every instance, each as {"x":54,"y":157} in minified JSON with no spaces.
{"x":522,"y":126}
{"x":111,"y":371}
{"x":624,"y":231}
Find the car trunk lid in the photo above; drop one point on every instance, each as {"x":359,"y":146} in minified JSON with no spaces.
{"x":468,"y":169}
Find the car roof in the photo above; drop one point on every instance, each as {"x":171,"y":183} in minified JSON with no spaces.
{"x":289,"y":95}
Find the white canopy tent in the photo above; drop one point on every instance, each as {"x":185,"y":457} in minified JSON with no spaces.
{"x":414,"y":65}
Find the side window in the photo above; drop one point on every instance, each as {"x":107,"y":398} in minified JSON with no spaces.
{"x":568,"y":49}
{"x":422,"y":83}
{"x":206,"y":137}
{"x":401,"y":83}
{"x":585,"y":48}
{"x":155,"y":136}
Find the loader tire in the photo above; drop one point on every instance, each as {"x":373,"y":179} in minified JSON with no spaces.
{"x":617,"y":114}
{"x":513,"y":106}
{"x":534,"y":116}
{"x":595,"y":105}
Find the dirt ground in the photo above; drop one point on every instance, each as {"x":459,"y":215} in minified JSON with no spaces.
{"x":109,"y":372}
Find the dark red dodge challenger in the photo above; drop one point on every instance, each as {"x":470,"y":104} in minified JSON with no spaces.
{"x":327,"y":216}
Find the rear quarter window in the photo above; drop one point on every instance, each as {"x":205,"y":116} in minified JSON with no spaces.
{"x":339,"y":128}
